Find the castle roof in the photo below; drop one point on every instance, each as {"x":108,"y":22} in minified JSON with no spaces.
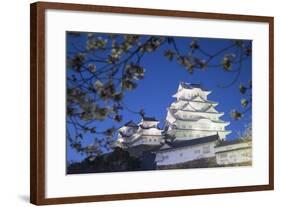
{"x":201,"y":100}
{"x":195,"y":111}
{"x":192,"y":142}
{"x":174,"y":127}
{"x":232,"y":142}
{"x":149,"y":127}
{"x":124,"y":135}
{"x":192,"y":85}
{"x":188,"y":104}
{"x":145,"y":118}
{"x":131,"y":124}
{"x":198,"y":118}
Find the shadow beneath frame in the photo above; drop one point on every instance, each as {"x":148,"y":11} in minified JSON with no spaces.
{"x":24,"y":198}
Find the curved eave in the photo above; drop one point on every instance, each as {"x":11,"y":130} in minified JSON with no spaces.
{"x":226,"y":123}
{"x":141,"y":130}
{"x":126,"y":127}
{"x":228,"y":132}
{"x":196,"y":101}
{"x":207,"y":112}
{"x":176,"y":118}
{"x":151,"y":135}
{"x":204,"y":130}
{"x":198,"y":120}
{"x":184,"y":86}
{"x":208,"y":92}
{"x":151,"y":122}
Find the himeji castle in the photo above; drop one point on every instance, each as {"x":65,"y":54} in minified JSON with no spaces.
{"x":193,"y":130}
{"x":192,"y":115}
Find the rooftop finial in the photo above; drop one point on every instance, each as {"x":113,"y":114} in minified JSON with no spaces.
{"x":192,"y":85}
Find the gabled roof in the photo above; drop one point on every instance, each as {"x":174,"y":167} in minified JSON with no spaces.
{"x":198,"y":118}
{"x":174,"y":127}
{"x":165,"y":146}
{"x":232,"y":142}
{"x":124,"y":135}
{"x":202,"y":118}
{"x":186,"y":110}
{"x":145,"y":118}
{"x":150,"y":127}
{"x":200,"y":99}
{"x":189,"y":101}
{"x":192,"y":85}
{"x":192,"y":142}
{"x":131,"y":124}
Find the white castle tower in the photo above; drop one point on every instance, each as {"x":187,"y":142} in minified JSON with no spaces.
{"x":193,"y":116}
{"x":137,"y":138}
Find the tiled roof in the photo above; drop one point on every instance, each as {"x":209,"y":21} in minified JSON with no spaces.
{"x":123,"y":134}
{"x":231,"y":142}
{"x":149,"y":127}
{"x":199,"y":118}
{"x":149,"y":118}
{"x":192,"y":85}
{"x":186,"y":143}
{"x":131,"y":124}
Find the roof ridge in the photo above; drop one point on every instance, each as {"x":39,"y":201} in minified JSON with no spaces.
{"x":149,"y":118}
{"x":184,"y":143}
{"x":192,"y":85}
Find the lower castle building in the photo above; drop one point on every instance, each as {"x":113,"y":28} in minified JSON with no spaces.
{"x":234,"y":152}
{"x":193,"y":132}
{"x":181,"y":152}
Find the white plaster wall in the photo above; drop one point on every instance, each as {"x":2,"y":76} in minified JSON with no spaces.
{"x":232,"y":157}
{"x":182,"y":155}
{"x":191,"y":134}
{"x":233,"y":146}
{"x":150,"y":131}
{"x":204,"y":124}
{"x":148,"y":140}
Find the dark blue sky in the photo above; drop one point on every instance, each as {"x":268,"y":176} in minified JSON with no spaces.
{"x":162,"y":77}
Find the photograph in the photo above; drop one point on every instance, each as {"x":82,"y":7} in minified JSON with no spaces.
{"x":143,"y":102}
{"x":137,"y":102}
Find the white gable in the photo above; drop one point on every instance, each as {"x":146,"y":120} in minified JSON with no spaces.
{"x":188,"y":107}
{"x":212,"y":110}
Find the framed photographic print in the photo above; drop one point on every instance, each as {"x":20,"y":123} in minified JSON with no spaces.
{"x":130,"y":103}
